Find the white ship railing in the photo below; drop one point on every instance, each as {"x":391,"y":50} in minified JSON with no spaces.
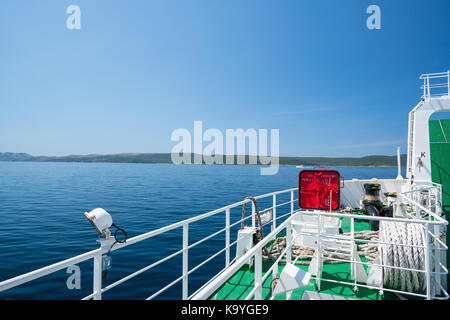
{"x":427,"y":214}
{"x":432,"y":224}
{"x":97,"y":254}
{"x":436,"y":85}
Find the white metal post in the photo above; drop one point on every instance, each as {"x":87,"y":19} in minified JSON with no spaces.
{"x":424,"y":88}
{"x":427,"y":262}
{"x":292,"y":202}
{"x":253,"y":214}
{"x":288,"y":251}
{"x":354,"y":253}
{"x":288,"y":242}
{"x":274,"y":273}
{"x":319,"y":258}
{"x":185,"y":260}
{"x":258,"y":275}
{"x":437,"y":261}
{"x":227,"y":237}
{"x":97,"y":285}
{"x":448,"y":83}
{"x":274,"y":213}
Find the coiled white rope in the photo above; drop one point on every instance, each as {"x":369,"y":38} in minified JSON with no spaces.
{"x":369,"y":251}
{"x":402,"y":233}
{"x":395,"y":254}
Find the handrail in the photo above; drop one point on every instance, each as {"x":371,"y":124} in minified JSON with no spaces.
{"x":97,"y":253}
{"x":427,"y":86}
{"x":230,"y":266}
{"x":33,"y":275}
{"x":255,"y":252}
{"x":207,"y":291}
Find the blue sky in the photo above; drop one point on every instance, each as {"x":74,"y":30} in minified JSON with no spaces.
{"x":137,"y":70}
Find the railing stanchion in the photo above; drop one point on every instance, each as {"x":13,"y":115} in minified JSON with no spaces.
{"x":258,"y":275}
{"x":437,"y":261}
{"x":253,"y":215}
{"x":448,"y":83}
{"x":274,"y":213}
{"x":288,"y":242}
{"x":319,"y":257}
{"x":292,"y":202}
{"x":288,"y":251}
{"x":424,"y":89}
{"x":97,"y":285}
{"x":354,"y":252}
{"x":227,"y":237}
{"x":185,"y":260}
{"x":427,"y":261}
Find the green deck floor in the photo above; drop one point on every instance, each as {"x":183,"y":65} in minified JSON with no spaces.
{"x":242,"y":282}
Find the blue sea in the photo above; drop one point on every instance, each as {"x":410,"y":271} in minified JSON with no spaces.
{"x":42,"y":221}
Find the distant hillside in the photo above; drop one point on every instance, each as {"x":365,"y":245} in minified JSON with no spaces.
{"x":9,"y":156}
{"x":166,"y":158}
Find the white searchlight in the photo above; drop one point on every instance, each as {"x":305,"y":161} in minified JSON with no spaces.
{"x":101,"y":221}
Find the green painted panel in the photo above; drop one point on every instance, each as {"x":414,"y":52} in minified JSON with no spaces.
{"x":439,"y":130}
{"x":440,"y":162}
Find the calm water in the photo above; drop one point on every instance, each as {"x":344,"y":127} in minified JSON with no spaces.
{"x":42,"y":221}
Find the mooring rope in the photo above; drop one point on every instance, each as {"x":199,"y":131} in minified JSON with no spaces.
{"x":396,"y":255}
{"x":304,"y":253}
{"x":402,"y":233}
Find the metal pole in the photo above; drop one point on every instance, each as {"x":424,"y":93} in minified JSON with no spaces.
{"x":227,"y":237}
{"x":288,"y":251}
{"x":274,"y":217}
{"x":448,"y":82}
{"x":354,"y":253}
{"x":399,"y":165}
{"x":424,"y":88}
{"x":185,"y":260}
{"x":292,"y":202}
{"x":253,"y":214}
{"x":288,"y":242}
{"x":319,"y":260}
{"x":427,"y":262}
{"x":258,"y":275}
{"x":437,"y":261}
{"x":97,"y":285}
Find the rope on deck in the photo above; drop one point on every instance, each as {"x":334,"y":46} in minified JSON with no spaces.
{"x":396,"y":255}
{"x":401,"y":233}
{"x":304,"y":253}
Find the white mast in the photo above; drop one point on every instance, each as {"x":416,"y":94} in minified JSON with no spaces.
{"x":399,"y":165}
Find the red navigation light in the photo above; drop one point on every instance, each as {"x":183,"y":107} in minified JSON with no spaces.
{"x":319,"y":189}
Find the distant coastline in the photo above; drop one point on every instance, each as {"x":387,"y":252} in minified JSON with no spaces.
{"x":367,"y":161}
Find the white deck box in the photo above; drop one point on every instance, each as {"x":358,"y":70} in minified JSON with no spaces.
{"x":304,"y":228}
